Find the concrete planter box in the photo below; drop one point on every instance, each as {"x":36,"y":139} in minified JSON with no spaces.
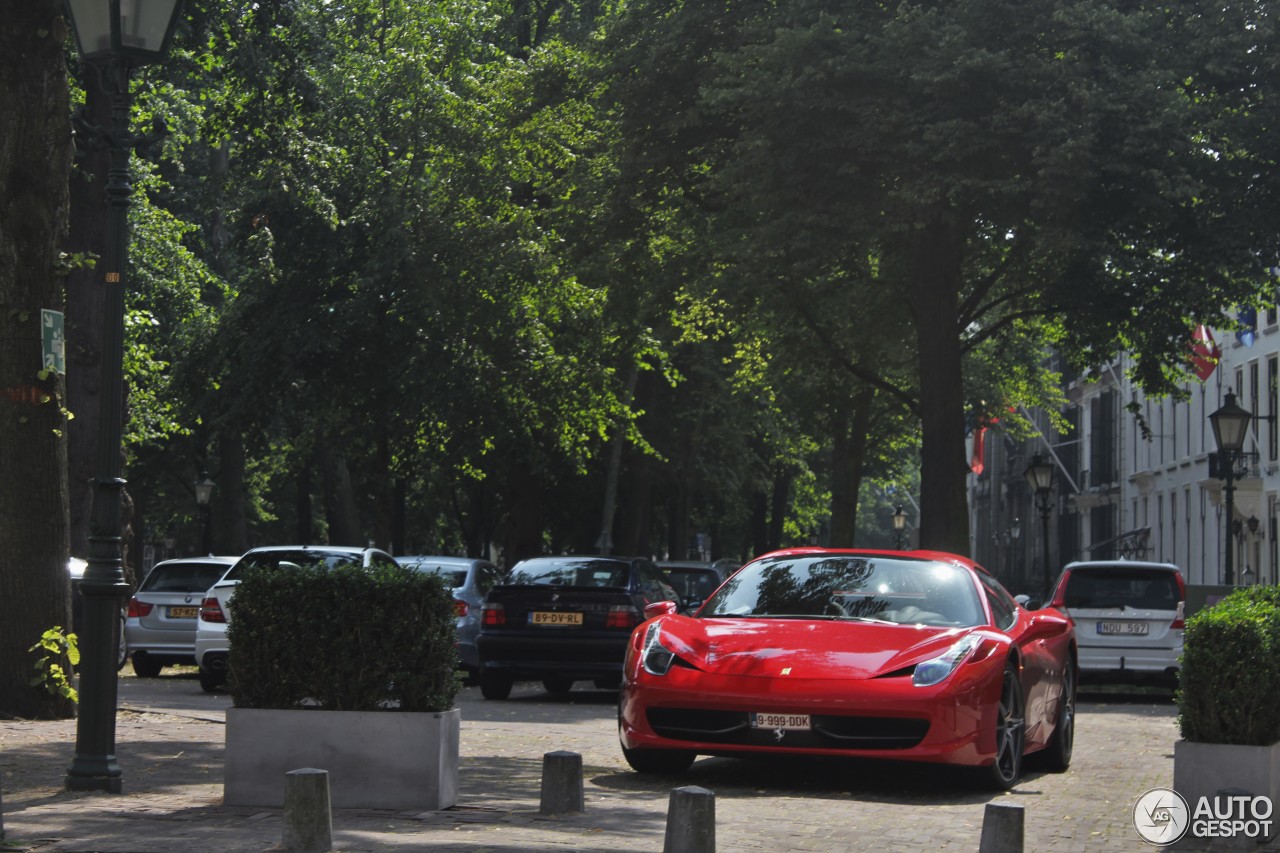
{"x":1207,"y":769}
{"x":375,"y":759}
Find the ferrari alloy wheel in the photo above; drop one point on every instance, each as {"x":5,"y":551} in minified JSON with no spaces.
{"x":495,"y":684}
{"x":557,"y":684}
{"x":1057,"y":755}
{"x":1010,"y":732}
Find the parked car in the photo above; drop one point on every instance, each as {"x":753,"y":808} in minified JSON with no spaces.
{"x":471,"y":580}
{"x":694,"y":581}
{"x":1128,"y":617}
{"x":75,"y":570}
{"x":160,"y":627}
{"x":211,"y":623}
{"x":565,"y":619}
{"x":813,"y":651}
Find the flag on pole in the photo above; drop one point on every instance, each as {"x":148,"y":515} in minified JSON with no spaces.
{"x":1205,"y":354}
{"x":978,"y":456}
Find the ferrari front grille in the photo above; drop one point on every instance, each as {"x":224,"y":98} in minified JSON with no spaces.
{"x":827,"y":732}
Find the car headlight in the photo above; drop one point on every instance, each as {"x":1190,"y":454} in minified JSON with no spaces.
{"x":655,"y":657}
{"x":930,"y":672}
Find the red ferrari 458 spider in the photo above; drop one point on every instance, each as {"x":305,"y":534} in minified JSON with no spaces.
{"x":911,"y":655}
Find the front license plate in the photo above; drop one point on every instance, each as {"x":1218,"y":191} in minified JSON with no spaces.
{"x":786,"y":722}
{"x":545,"y":617}
{"x":1128,"y":628}
{"x":183,"y":612}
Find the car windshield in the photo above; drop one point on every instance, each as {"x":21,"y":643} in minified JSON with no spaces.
{"x":584,"y":572}
{"x":858,"y":587}
{"x":454,"y":577}
{"x":1119,"y":586}
{"x":292,"y":560}
{"x":692,"y":584}
{"x":184,"y":577}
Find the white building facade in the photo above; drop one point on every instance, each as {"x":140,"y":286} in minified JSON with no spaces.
{"x":1122,"y":491}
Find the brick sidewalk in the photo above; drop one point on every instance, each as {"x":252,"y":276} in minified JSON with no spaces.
{"x":172,"y":798}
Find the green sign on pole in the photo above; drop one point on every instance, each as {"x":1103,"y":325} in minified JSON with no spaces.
{"x":52,"y":341}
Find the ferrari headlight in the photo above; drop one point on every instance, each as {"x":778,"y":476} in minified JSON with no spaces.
{"x":935,"y":670}
{"x":655,"y":657}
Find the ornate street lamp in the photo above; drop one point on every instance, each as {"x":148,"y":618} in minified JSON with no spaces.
{"x":204,"y":491}
{"x":113,"y":37}
{"x":899,"y":524}
{"x":1230,"y":426}
{"x":1039,"y":475}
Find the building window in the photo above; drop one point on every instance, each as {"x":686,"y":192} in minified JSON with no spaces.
{"x":1254,"y":392}
{"x":1102,"y":432}
{"x":1273,"y":432}
{"x":1272,"y":550}
{"x":1186,"y":509}
{"x":1160,"y":528}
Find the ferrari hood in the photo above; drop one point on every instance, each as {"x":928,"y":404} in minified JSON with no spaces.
{"x":802,"y":648}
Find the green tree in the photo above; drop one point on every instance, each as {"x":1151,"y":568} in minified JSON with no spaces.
{"x":981,"y":164}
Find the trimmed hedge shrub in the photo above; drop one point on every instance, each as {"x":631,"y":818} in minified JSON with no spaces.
{"x":1229,"y":685}
{"x":342,"y":639}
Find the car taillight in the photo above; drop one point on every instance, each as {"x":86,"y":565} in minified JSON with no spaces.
{"x":622,"y":616}
{"x":495,"y":614}
{"x":1179,"y":620}
{"x":211,"y":610}
{"x":460,"y":608}
{"x":138,"y":609}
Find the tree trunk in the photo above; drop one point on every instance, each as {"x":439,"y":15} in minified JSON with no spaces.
{"x":230,"y":522}
{"x":340,"y":506}
{"x":848,"y":456}
{"x":523,"y":530}
{"x":634,"y":519}
{"x":35,"y":159}
{"x":936,"y":274}
{"x":778,"y":503}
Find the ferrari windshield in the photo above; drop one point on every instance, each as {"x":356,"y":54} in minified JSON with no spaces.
{"x":851,"y":586}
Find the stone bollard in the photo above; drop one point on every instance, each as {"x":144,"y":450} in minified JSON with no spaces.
{"x":1001,"y":829}
{"x":561,"y":783}
{"x":308,"y":821}
{"x":691,"y":821}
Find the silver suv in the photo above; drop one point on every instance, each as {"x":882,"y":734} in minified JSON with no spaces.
{"x":1128,"y":616}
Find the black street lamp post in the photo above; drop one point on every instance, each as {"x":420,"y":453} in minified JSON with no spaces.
{"x":1039,"y":476}
{"x":1230,"y":426}
{"x":113,"y":36}
{"x":899,"y":525}
{"x":204,"y":491}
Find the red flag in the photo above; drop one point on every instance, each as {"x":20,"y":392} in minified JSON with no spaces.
{"x":977,"y":460}
{"x":1205,"y":354}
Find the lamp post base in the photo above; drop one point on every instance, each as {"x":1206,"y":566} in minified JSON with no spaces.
{"x":105,"y":783}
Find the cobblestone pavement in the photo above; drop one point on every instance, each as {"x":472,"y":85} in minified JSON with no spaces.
{"x":169,"y":741}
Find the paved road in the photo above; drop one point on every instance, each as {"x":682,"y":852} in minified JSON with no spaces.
{"x":169,"y":740}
